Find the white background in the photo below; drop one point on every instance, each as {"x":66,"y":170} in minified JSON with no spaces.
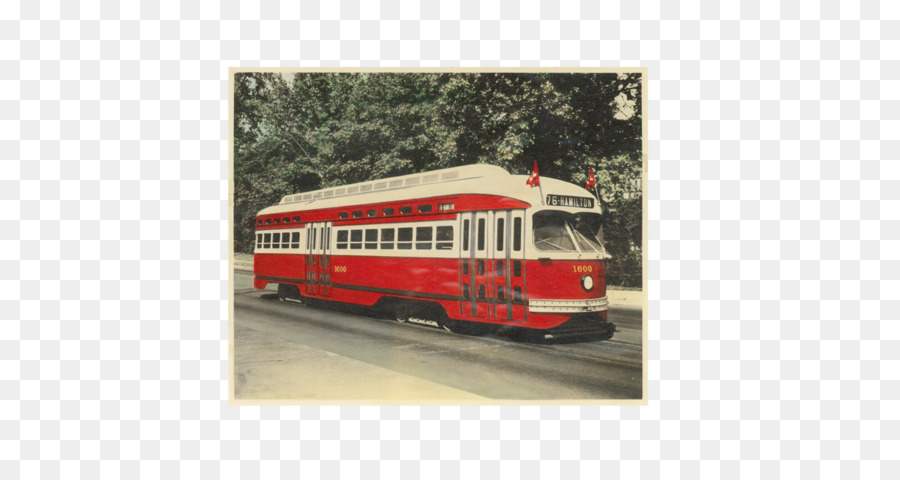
{"x":774,"y":227}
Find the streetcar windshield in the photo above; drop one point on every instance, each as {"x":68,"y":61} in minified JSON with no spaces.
{"x":568,"y":232}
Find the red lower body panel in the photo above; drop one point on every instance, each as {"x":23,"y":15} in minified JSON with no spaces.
{"x":366,"y":280}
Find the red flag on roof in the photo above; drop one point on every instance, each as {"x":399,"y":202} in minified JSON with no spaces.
{"x":534,"y":179}
{"x":591,"y":182}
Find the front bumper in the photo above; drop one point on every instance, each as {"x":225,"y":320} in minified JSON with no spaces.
{"x":568,"y":306}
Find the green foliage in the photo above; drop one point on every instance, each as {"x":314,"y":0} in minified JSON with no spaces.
{"x":303,"y":131}
{"x":622,"y":231}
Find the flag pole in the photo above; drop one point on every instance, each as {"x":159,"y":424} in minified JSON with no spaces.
{"x":541,"y":190}
{"x":593,"y":183}
{"x":535,"y":177}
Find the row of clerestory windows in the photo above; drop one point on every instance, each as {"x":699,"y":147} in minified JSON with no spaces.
{"x":372,"y":212}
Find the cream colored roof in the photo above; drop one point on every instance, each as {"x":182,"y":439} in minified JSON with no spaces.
{"x":470,"y":179}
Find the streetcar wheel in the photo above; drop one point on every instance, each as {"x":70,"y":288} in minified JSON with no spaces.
{"x":401,"y":315}
{"x":458,"y":327}
{"x":288,"y":292}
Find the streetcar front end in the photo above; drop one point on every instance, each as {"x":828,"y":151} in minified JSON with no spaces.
{"x":566,"y":273}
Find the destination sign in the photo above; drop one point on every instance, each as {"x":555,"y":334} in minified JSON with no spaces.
{"x":568,"y":201}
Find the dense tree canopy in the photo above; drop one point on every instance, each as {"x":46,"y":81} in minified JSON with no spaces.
{"x":297,"y":132}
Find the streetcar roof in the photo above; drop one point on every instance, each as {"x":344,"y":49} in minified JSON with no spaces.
{"x":470,"y":179}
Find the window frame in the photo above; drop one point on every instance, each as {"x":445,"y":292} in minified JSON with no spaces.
{"x":480,"y":235}
{"x":423,"y":243}
{"x":405,"y":244}
{"x":356,"y":239}
{"x":441,"y":240}
{"x":387,"y":243}
{"x":370,"y":243}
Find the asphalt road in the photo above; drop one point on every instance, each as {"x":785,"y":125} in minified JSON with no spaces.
{"x":289,"y":351}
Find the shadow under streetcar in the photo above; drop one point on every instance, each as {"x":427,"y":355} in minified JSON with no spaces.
{"x":427,"y":315}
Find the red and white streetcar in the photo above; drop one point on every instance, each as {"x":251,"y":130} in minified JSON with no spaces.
{"x":448,"y":247}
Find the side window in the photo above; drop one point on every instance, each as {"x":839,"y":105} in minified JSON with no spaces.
{"x":342,"y":236}
{"x":357,"y":213}
{"x":267,"y":240}
{"x":517,"y":234}
{"x":371,"y":213}
{"x":423,"y":238}
{"x":465,"y":232}
{"x":371,"y":239}
{"x":356,"y":239}
{"x":315,"y":235}
{"x":425,"y":208}
{"x":276,"y":240}
{"x":387,"y":211}
{"x":405,"y":210}
{"x":500,"y":231}
{"x":258,"y":240}
{"x":444,"y":237}
{"x":404,"y":238}
{"x":387,"y":238}
{"x":295,"y":240}
{"x":480,"y":234}
{"x":285,"y":239}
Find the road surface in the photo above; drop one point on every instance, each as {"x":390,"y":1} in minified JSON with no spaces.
{"x":289,"y":351}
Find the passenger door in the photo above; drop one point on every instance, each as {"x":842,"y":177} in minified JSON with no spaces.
{"x":509,"y":265}
{"x":318,"y":259}
{"x":476,"y":273}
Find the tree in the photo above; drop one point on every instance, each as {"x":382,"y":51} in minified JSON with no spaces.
{"x":304,"y":131}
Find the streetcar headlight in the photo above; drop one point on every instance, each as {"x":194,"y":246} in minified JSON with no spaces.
{"x":587,"y":283}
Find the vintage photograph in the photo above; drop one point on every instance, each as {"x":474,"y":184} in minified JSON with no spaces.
{"x":438,"y":236}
